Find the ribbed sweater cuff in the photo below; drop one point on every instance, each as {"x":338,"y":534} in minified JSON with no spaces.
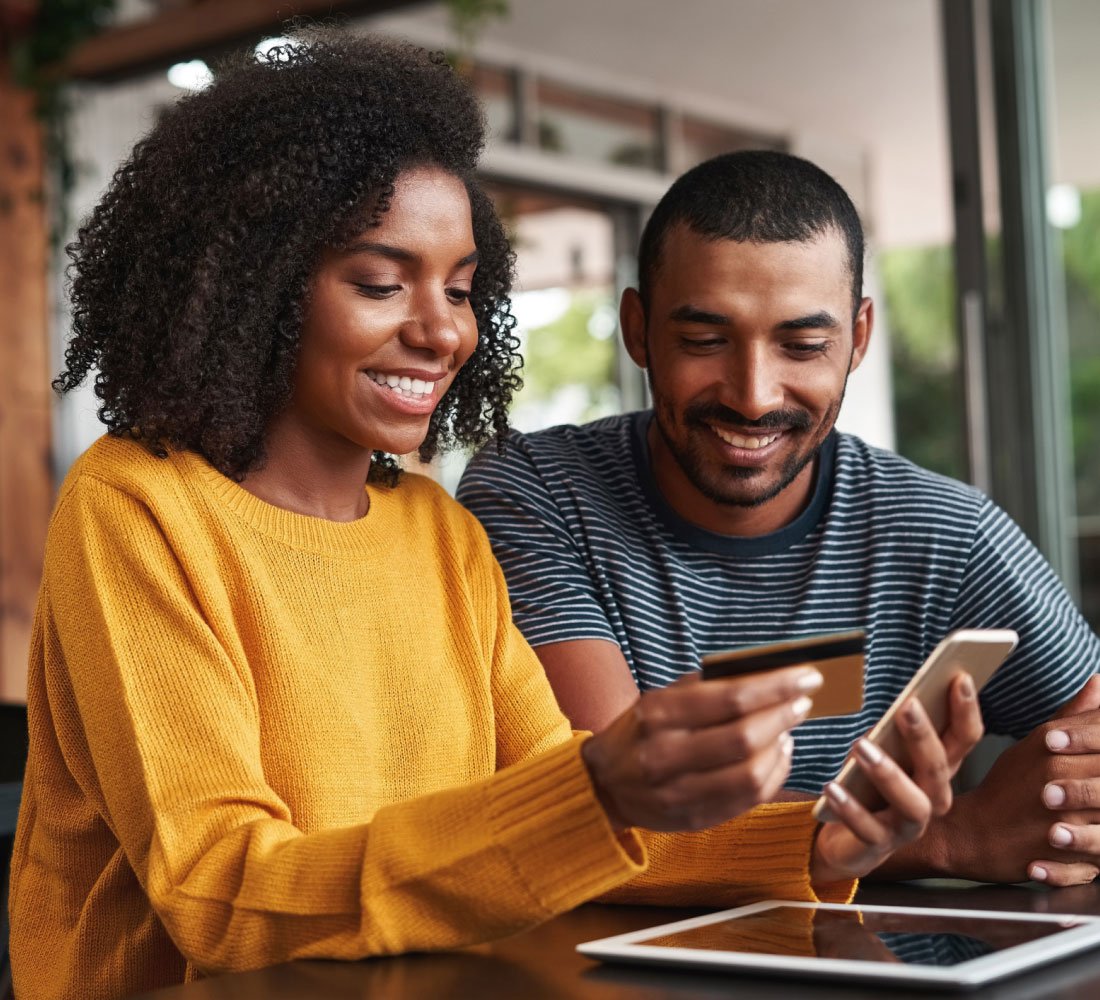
{"x":780,"y":842}
{"x":562,"y":844}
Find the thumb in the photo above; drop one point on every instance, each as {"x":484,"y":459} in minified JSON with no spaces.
{"x":1086,"y":700}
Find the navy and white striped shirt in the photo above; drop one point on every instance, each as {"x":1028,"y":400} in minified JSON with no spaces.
{"x":591,"y":550}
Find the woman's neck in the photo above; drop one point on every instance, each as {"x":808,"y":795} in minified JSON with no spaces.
{"x":319,"y":479}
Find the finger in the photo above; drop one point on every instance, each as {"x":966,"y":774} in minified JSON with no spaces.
{"x":965,"y":727}
{"x":669,"y":752}
{"x":1073,"y":737}
{"x":846,"y":809}
{"x":1079,"y":839}
{"x":693,"y":705}
{"x":703,"y":799}
{"x":909,"y":804}
{"x":1072,"y":793}
{"x":931,"y":771}
{"x":1062,"y":873}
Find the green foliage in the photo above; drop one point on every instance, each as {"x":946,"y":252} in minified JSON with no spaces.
{"x":59,"y":25}
{"x":470,"y":17}
{"x":919,"y":296}
{"x":564,"y":353}
{"x":919,"y":292}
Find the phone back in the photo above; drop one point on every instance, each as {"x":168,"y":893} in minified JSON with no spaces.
{"x":978,"y":652}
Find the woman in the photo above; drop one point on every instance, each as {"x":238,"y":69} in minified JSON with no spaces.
{"x":277,"y":715}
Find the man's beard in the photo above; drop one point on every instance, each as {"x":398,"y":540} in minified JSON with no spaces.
{"x":720,"y":484}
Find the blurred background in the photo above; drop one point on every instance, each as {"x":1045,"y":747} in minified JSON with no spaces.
{"x":965,"y":130}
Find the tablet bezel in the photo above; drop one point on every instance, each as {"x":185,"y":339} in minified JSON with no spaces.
{"x":969,"y":974}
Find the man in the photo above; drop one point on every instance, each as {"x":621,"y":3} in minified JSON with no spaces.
{"x":734,"y":514}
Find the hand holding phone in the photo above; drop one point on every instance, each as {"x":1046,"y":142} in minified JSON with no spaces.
{"x":978,"y":652}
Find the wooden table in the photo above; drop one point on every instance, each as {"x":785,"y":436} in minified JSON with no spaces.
{"x":541,"y":964}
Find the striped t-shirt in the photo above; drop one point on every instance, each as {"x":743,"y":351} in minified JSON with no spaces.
{"x":592,"y":551}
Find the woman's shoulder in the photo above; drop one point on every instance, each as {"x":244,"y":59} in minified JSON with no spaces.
{"x":124,"y":465}
{"x":419,"y":503}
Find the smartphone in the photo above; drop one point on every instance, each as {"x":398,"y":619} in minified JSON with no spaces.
{"x":838,"y":655}
{"x":979,"y":652}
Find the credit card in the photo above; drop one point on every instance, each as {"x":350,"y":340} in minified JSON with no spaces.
{"x":838,"y":655}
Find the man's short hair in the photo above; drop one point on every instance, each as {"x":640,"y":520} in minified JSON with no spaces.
{"x":754,"y":196}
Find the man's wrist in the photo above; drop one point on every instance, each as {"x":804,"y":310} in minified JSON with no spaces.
{"x":938,"y":853}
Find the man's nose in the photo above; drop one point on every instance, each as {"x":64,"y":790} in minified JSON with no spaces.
{"x":754,"y":386}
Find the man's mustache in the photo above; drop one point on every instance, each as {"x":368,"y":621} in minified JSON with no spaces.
{"x":706,"y":413}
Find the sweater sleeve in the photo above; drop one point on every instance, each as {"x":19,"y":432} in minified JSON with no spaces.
{"x":169,"y":747}
{"x":763,"y":854}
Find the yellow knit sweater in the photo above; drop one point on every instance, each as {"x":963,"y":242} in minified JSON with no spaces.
{"x":259,"y":736}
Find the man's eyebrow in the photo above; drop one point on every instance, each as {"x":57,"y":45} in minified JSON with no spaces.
{"x":820,"y":320}
{"x":399,"y":253}
{"x":693,"y":314}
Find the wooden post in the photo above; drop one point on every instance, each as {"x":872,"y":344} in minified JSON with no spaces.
{"x":26,"y":488}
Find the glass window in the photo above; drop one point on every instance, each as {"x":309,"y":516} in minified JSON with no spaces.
{"x":1073,"y":209}
{"x":592,"y":127}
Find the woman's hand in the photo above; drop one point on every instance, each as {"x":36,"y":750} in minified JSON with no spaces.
{"x":695,"y":754}
{"x":857,"y":840}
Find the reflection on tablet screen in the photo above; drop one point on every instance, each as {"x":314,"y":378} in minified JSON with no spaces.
{"x":861,"y":935}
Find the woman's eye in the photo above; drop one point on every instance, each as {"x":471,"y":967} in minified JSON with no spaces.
{"x":458,"y":295}
{"x":377,"y":291}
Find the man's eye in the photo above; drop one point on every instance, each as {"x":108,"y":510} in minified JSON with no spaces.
{"x":809,"y":350}
{"x":377,"y":291}
{"x":706,"y":344}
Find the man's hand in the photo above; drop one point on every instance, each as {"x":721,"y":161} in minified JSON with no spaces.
{"x":695,"y":754}
{"x":858,"y":840}
{"x":1034,"y":815}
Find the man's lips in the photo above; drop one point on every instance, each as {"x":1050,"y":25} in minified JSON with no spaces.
{"x":749,"y":442}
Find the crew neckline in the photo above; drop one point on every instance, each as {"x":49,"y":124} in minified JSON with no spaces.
{"x":713,"y":541}
{"x":303,"y":531}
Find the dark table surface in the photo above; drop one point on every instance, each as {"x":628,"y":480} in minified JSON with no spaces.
{"x":541,"y":964}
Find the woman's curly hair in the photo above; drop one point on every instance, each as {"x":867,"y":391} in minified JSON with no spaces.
{"x":189,"y":280}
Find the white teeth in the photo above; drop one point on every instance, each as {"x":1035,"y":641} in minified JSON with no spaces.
{"x":740,"y":441}
{"x":410,"y":388}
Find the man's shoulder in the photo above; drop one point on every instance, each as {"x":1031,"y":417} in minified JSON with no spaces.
{"x":565,"y":450}
{"x":875,"y":475}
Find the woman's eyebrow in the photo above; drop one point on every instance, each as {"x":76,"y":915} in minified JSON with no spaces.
{"x":400,"y":253}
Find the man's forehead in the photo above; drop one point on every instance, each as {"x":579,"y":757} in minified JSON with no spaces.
{"x":688,"y":254}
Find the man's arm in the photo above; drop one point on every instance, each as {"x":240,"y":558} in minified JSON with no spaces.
{"x":591,"y":681}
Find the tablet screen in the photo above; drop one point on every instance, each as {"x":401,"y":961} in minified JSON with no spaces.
{"x":857,"y":934}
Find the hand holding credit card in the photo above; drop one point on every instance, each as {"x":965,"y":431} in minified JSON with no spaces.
{"x":838,"y":656}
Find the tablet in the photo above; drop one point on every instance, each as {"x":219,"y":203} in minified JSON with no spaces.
{"x":934,"y":948}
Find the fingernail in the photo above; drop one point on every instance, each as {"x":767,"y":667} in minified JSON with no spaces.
{"x":966,"y":688}
{"x":1054,"y":795}
{"x":801,"y":706}
{"x":1061,"y":836}
{"x":869,"y":752}
{"x":811,"y":680}
{"x":786,"y":743}
{"x":836,"y":793}
{"x":1038,"y":873}
{"x":1057,"y":739}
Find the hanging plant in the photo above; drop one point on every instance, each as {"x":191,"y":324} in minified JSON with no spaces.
{"x":468,"y":19}
{"x":58,"y":26}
